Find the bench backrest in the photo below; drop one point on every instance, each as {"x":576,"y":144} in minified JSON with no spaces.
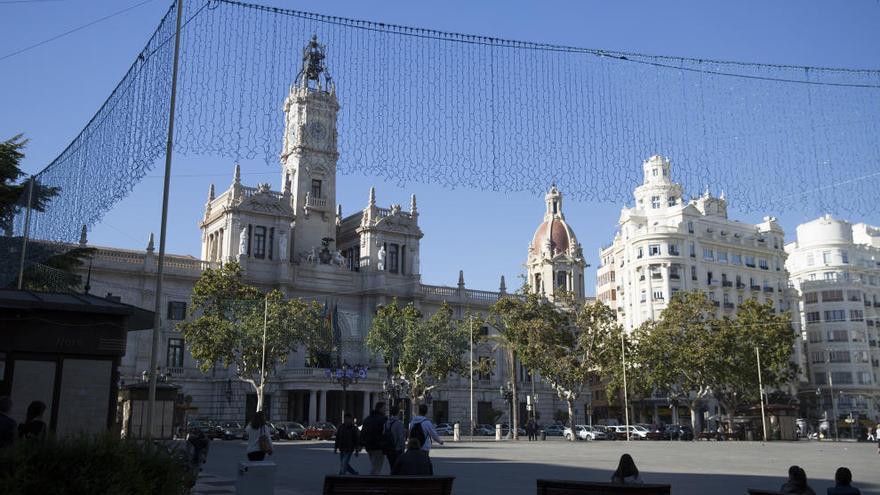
{"x":388,"y":485}
{"x":761,"y":491}
{"x":564,"y":487}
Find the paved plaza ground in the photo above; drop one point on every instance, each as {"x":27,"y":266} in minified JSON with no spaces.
{"x":485,"y":467}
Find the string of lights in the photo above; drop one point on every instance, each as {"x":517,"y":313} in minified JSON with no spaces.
{"x":464,"y":111}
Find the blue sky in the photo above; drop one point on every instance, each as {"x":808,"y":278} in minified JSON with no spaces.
{"x":51,"y":91}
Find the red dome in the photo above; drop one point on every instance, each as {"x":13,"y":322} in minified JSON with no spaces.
{"x":561,"y":236}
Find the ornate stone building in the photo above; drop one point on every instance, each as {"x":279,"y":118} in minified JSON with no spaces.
{"x":835,"y":270}
{"x":555,"y":261}
{"x":298,"y":241}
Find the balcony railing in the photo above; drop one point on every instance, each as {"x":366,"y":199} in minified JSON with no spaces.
{"x":656,"y":276}
{"x":674,"y":276}
{"x":768,"y":289}
{"x":726,"y":283}
{"x":740,"y":285}
{"x":729,"y":305}
{"x":756,"y":287}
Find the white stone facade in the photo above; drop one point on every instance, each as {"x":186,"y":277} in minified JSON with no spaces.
{"x":835,"y":269}
{"x":665,"y":244}
{"x":297,"y":241}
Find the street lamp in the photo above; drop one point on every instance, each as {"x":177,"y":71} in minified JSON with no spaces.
{"x":395,"y":389}
{"x":506,"y":393}
{"x":345,"y":375}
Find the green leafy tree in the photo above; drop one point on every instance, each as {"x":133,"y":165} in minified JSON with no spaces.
{"x":422,"y":351}
{"x":56,"y":264}
{"x":228,"y":320}
{"x":566,"y":341}
{"x":755,"y":326}
{"x":508,"y":313}
{"x":677,"y":352}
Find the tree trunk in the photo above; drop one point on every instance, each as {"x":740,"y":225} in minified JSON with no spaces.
{"x":514,"y":420}
{"x":570,"y":403}
{"x":693,"y":408}
{"x":260,"y":396}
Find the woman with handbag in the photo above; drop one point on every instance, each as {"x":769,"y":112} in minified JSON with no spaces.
{"x":259,"y":439}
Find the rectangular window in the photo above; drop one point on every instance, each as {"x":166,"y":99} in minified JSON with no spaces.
{"x":811,"y":260}
{"x":722,"y":256}
{"x":838,"y":356}
{"x":484,"y":372}
{"x":693,"y":273}
{"x":832,"y":295}
{"x":653,"y":249}
{"x":271,"y":242}
{"x":671,"y":201}
{"x":750,"y":261}
{"x":826,"y":257}
{"x":818,"y":356}
{"x":655,"y":202}
{"x":860,"y":356}
{"x":762,"y":264}
{"x":658,"y":295}
{"x":837,"y":335}
{"x":393,"y":257}
{"x":815,"y":336}
{"x":708,"y":254}
{"x":562,"y":280}
{"x":811,"y":297}
{"x":835,"y":315}
{"x":844,"y":257}
{"x":403,"y":259}
{"x":865,"y":378}
{"x":856,"y":315}
{"x":813,"y":317}
{"x":691,"y":227}
{"x":176,"y":310}
{"x":830,"y":275}
{"x":259,"y":242}
{"x":854,"y":295}
{"x":644,"y":297}
{"x":673,"y":250}
{"x":640,"y":253}
{"x":736,"y":259}
{"x":841,"y":377}
{"x":709,"y":278}
{"x":693,"y":250}
{"x":175,"y":353}
{"x":316,"y":189}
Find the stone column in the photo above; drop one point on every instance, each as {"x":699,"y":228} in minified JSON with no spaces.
{"x":313,"y":403}
{"x":666,"y":283}
{"x":322,"y":406}
{"x":366,"y":403}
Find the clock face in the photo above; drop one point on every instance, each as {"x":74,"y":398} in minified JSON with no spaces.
{"x":318,"y":132}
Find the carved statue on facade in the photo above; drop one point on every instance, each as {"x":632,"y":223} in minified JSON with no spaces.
{"x":242,"y":242}
{"x":313,"y":255}
{"x":338,"y":259}
{"x":381,"y":258}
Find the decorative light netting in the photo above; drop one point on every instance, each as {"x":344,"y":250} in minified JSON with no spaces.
{"x":468,"y":111}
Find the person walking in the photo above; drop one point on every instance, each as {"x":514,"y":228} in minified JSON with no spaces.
{"x":347,"y":443}
{"x":843,"y":483}
{"x":422,"y":429}
{"x":414,"y":462}
{"x":626,"y":473}
{"x":531,"y":429}
{"x":7,"y":424}
{"x":259,"y":439}
{"x":797,"y":482}
{"x":393,"y":437}
{"x":34,"y":428}
{"x":371,"y":437}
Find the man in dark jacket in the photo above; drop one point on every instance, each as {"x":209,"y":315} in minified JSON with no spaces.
{"x":371,"y":437}
{"x":396,"y":435}
{"x":413,"y":462}
{"x":347,"y":443}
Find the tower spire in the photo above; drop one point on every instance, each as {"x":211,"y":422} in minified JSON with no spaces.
{"x":372,"y":196}
{"x":211,"y":192}
{"x":236,"y":178}
{"x":313,"y":67}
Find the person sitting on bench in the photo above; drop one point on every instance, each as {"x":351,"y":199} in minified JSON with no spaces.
{"x":627,"y":473}
{"x":413,"y":462}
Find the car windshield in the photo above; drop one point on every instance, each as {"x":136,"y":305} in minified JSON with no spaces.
{"x":231,"y":425}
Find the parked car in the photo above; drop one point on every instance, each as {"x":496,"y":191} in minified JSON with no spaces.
{"x":554,"y":430}
{"x":319,"y":431}
{"x":607,"y":431}
{"x":585,"y":432}
{"x":635,"y":432}
{"x":484,"y":430}
{"x":444,"y":429}
{"x":290,"y":430}
{"x":231,"y":431}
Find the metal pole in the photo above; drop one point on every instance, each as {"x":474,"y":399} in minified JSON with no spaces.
{"x":625,"y":400}
{"x":472,"y":377}
{"x":24,"y":238}
{"x":263,"y":362}
{"x":761,"y":390}
{"x":833,"y":402}
{"x":154,"y":350}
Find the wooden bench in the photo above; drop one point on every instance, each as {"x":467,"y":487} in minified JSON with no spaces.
{"x":564,"y":487}
{"x":388,"y":485}
{"x":761,"y":491}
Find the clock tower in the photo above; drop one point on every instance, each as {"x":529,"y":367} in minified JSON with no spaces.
{"x":309,"y":155}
